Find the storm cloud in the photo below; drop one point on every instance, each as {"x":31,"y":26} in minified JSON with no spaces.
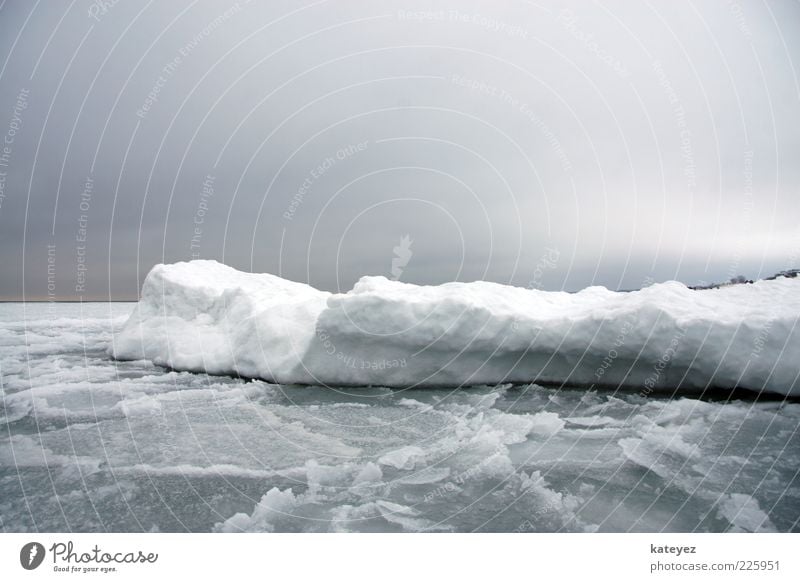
{"x":538,"y":144}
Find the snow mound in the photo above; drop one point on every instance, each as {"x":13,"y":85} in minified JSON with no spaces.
{"x":205,"y":316}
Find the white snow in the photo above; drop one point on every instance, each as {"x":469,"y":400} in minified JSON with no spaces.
{"x":205,"y":316}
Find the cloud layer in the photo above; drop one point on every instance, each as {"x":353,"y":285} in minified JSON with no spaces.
{"x":539,"y":144}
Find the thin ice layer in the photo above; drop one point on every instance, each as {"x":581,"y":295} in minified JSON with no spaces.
{"x":204,"y":316}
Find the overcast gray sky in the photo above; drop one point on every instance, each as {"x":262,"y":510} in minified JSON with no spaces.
{"x":532,"y":143}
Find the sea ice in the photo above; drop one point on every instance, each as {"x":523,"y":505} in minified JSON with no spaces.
{"x":93,"y":444}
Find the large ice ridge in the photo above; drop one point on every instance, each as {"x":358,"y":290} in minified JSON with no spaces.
{"x":205,"y":316}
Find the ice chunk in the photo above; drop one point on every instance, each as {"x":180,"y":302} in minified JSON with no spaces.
{"x":204,"y":316}
{"x":273,"y":505}
{"x":547,"y":423}
{"x":405,"y":458}
{"x":370,"y":473}
{"x":744,"y":513}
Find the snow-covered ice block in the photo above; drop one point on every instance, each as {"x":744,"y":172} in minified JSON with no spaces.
{"x":205,"y":316}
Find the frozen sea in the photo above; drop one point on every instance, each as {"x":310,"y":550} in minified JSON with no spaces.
{"x":91,"y":444}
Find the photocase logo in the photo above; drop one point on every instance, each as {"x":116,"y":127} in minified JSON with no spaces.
{"x":31,"y":555}
{"x":402,"y":254}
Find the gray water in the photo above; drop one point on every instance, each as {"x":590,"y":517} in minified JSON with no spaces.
{"x":90,"y":444}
